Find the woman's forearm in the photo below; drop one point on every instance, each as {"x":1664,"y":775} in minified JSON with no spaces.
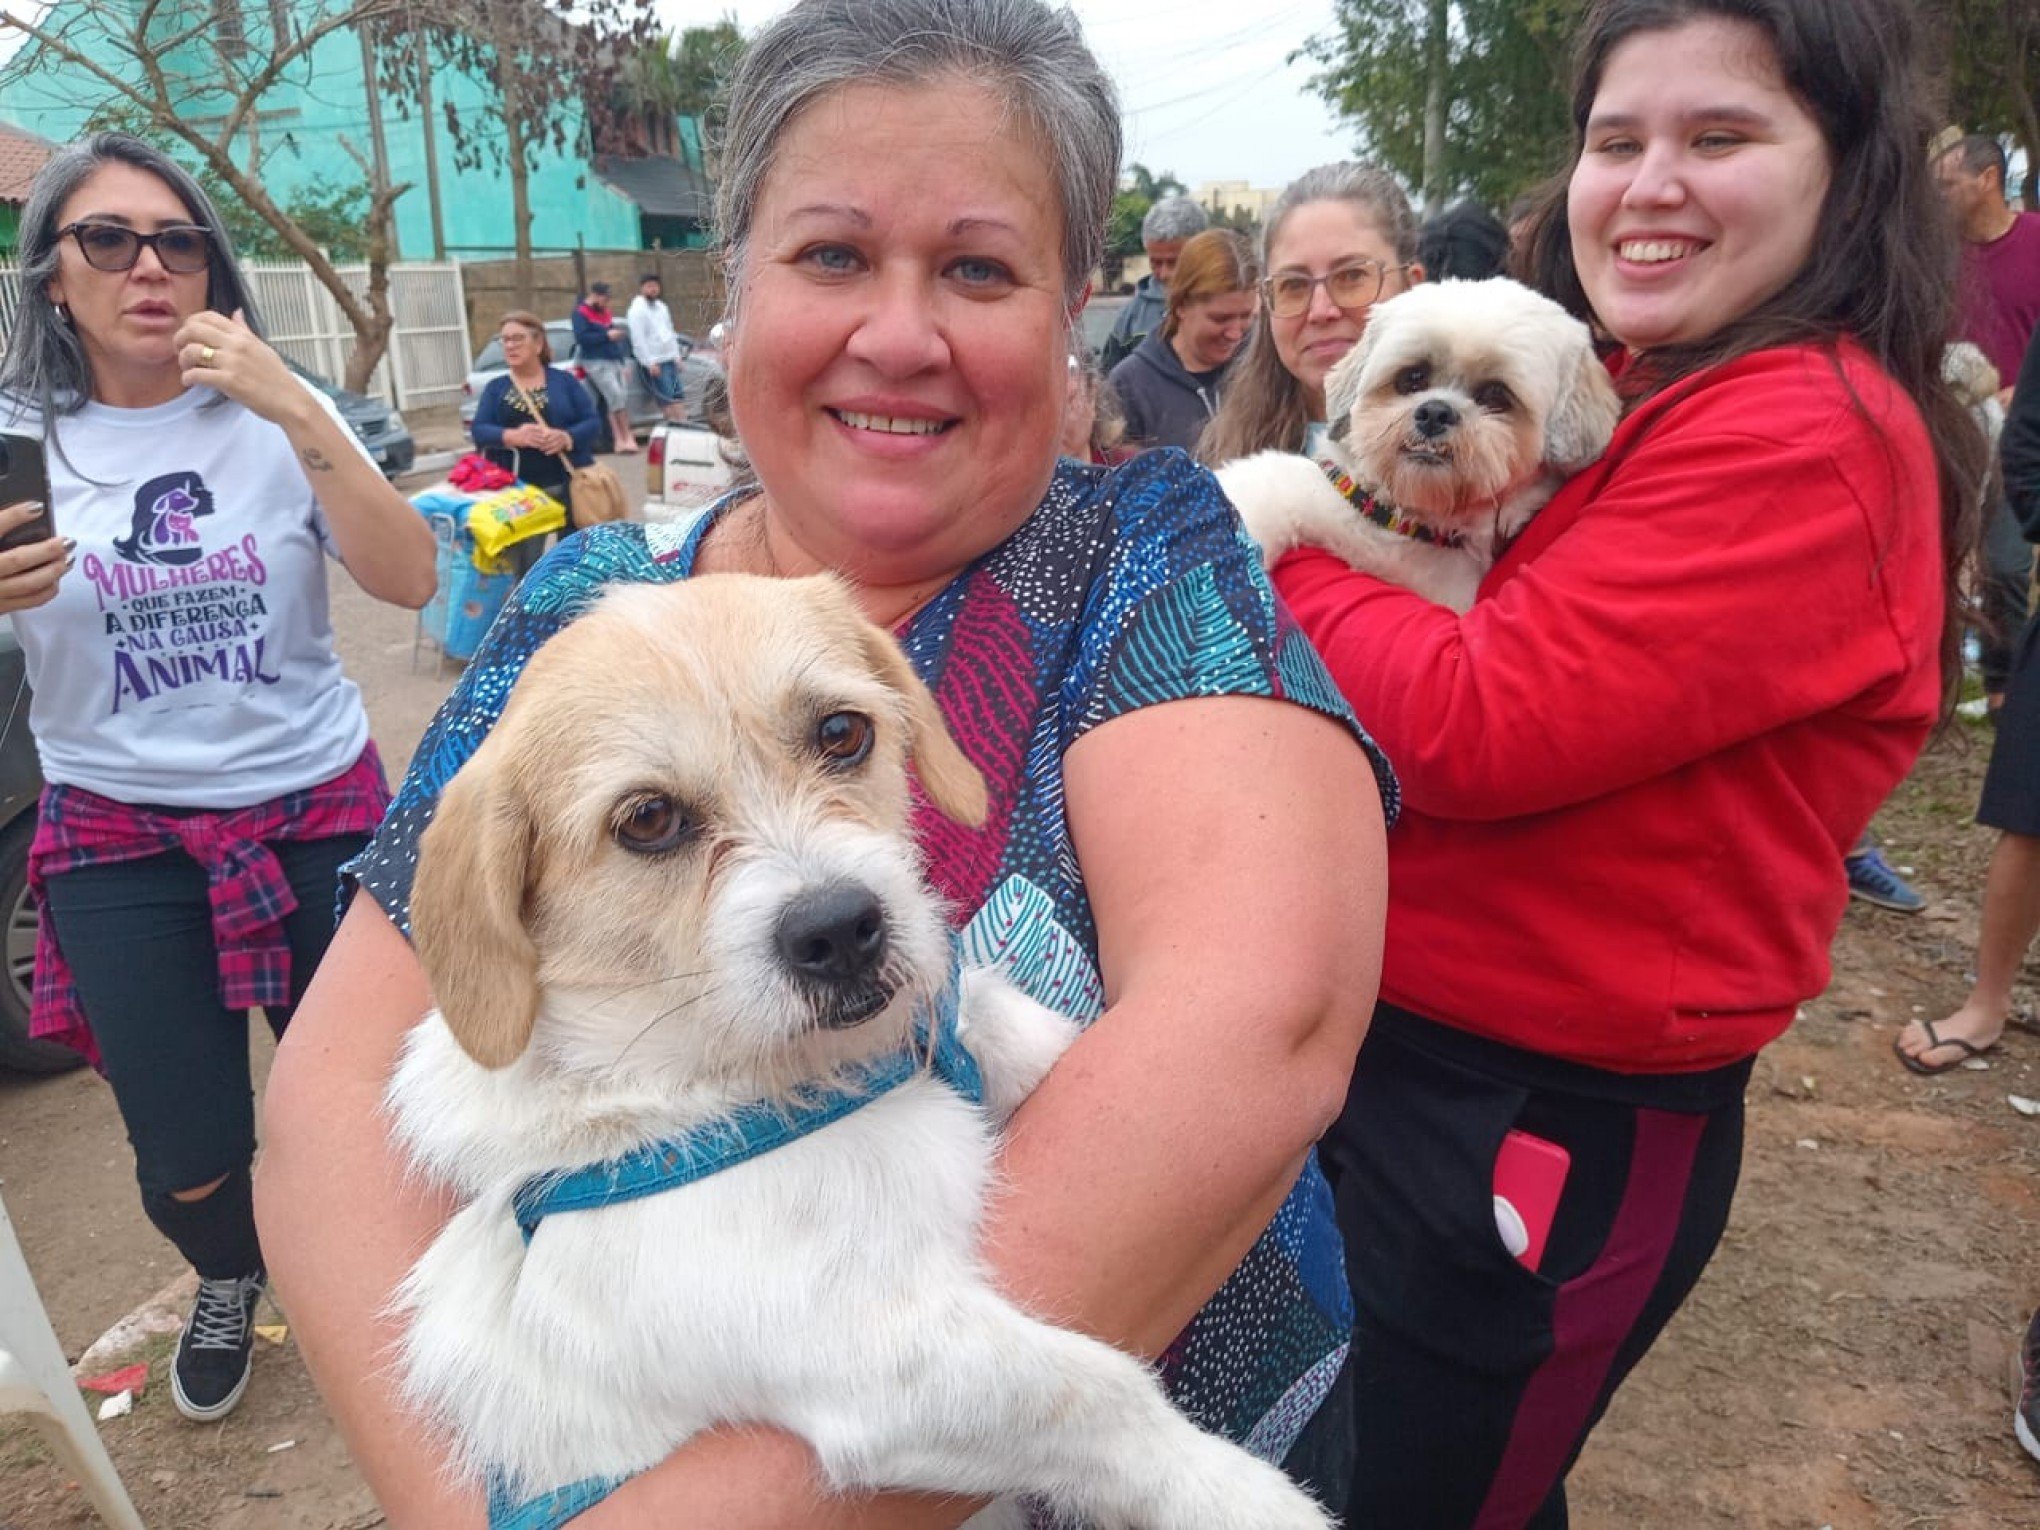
{"x":384,"y":542}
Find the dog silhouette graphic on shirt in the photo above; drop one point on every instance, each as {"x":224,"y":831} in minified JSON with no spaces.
{"x":165,"y":525}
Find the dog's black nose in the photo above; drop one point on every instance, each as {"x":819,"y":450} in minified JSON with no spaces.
{"x":1434,"y":417}
{"x":833,"y":934}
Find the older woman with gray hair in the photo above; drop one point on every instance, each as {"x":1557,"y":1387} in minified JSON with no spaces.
{"x":1184,"y":846}
{"x":208,"y":763}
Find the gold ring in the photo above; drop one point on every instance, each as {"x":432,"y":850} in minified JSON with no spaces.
{"x":205,"y":355}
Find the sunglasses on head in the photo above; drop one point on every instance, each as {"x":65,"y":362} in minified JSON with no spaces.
{"x":181,"y":248}
{"x":1352,"y":285}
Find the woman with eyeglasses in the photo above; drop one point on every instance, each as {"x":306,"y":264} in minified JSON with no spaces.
{"x":208,"y":764}
{"x":535,"y":421}
{"x":1340,"y":238}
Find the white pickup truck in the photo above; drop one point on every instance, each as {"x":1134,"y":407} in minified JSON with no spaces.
{"x":686,"y":467}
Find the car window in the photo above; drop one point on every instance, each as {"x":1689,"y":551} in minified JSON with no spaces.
{"x":491,"y":356}
{"x":1098,"y":318}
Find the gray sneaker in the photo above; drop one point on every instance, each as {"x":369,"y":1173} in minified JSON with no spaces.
{"x":211,"y":1369}
{"x":1872,"y":879}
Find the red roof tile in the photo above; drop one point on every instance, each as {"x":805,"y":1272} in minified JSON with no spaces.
{"x":21,"y":156}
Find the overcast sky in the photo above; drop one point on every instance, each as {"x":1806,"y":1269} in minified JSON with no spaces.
{"x":1206,"y":91}
{"x":1204,"y":83}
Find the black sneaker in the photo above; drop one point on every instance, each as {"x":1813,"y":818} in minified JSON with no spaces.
{"x":211,"y":1369}
{"x":2026,"y":1421}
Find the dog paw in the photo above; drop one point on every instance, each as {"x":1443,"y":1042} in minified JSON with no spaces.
{"x":1255,"y":1496}
{"x":1015,"y":1040}
{"x":1274,"y":493}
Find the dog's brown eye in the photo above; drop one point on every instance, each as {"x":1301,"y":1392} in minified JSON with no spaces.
{"x":1413,"y":379}
{"x":844,"y":738}
{"x":1494,"y":397}
{"x":651,"y":825}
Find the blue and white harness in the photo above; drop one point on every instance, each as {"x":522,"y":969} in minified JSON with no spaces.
{"x":724,"y":1143}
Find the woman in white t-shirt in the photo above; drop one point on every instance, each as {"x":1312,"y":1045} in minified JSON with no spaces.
{"x":208,"y":763}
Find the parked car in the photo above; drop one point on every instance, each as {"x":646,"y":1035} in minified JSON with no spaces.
{"x":1099,"y":315}
{"x":686,"y":467}
{"x":381,"y":429}
{"x":20,"y":785}
{"x":698,"y":364}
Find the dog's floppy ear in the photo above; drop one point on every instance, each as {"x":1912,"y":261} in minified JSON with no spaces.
{"x":952,"y":783}
{"x":467,"y":908}
{"x":1584,"y":414}
{"x":1342,"y":383}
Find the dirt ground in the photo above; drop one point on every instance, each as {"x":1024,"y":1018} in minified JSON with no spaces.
{"x":1846,"y":1361}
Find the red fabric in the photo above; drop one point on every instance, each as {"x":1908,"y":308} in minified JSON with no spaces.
{"x":478,"y":475}
{"x":250,"y":896}
{"x":1631,"y":771}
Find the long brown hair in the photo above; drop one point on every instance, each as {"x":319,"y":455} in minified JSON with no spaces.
{"x":1213,"y":264}
{"x":1263,"y":406}
{"x":1883,"y":269}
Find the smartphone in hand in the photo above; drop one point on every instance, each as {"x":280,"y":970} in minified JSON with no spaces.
{"x":25,"y":475}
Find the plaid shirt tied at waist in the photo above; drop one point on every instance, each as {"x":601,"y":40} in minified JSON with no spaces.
{"x":249,"y":892}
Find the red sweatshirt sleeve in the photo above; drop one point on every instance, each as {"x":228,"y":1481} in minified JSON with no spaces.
{"x":1747,"y":559}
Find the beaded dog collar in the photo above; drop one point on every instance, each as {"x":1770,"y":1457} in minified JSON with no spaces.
{"x":1385,"y":515}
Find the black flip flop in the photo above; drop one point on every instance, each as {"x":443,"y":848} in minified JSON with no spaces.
{"x":1928,"y":1070}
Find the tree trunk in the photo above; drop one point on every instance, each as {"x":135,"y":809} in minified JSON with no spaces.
{"x":370,"y":322}
{"x":1437,"y":60}
{"x":369,"y":348}
{"x":520,"y":172}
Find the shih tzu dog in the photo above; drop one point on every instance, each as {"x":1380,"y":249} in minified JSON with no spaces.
{"x":1457,"y":415}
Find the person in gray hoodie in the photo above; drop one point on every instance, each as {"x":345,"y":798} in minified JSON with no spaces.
{"x":1169,"y":386}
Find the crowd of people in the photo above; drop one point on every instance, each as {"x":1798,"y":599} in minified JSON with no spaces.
{"x":1364,"y":903}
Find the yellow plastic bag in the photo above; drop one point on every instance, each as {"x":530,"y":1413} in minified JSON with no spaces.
{"x":498,"y":520}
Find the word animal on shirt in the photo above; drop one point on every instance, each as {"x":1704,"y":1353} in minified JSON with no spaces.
{"x":180,"y":617}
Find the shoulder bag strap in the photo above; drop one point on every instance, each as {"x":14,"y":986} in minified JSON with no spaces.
{"x":538,"y":416}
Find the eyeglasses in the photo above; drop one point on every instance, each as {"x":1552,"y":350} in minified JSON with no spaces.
{"x":1353,"y":285}
{"x":181,"y":248}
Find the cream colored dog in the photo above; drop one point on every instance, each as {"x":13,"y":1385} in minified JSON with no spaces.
{"x":673,"y":886}
{"x":1457,"y":415}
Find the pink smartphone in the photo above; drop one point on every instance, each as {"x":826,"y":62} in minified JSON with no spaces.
{"x":1529,"y":1177}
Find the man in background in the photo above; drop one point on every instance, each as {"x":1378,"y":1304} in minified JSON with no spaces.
{"x":1169,"y":224}
{"x":598,"y":346}
{"x":656,"y":345}
{"x":2000,"y":304}
{"x":2000,"y":254}
{"x":2000,"y":296}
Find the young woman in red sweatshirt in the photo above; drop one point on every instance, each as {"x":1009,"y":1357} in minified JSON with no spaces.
{"x":1632,"y":769}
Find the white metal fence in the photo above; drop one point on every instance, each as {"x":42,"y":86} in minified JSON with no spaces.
{"x":428,"y":353}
